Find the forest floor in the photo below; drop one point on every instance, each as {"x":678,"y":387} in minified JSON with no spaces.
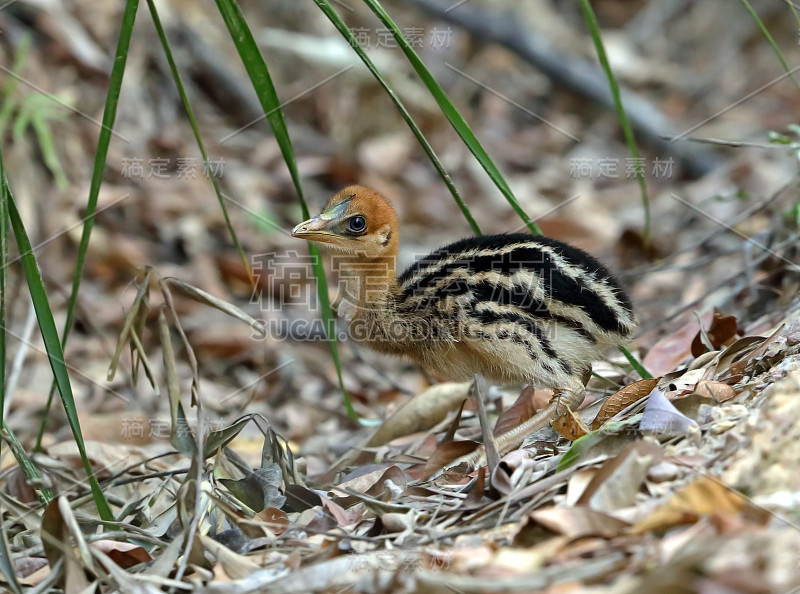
{"x":687,"y":482}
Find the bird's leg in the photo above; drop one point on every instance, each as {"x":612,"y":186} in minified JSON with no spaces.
{"x":511,"y":440}
{"x":481,"y":387}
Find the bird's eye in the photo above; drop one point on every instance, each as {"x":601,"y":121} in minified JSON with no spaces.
{"x":357,"y":224}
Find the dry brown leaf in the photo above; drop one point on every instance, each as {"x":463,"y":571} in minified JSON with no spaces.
{"x":704,"y":496}
{"x":622,"y":400}
{"x":447,"y":453}
{"x":476,"y":494}
{"x":578,"y":522}
{"x":123,"y":554}
{"x":617,"y":482}
{"x":343,"y":517}
{"x":372,"y":484}
{"x":672,"y":349}
{"x":516,"y":414}
{"x":421,"y":412}
{"x":58,"y":544}
{"x":722,"y":330}
{"x":736,"y":351}
{"x":717,"y":390}
{"x":277,"y":521}
{"x":570,"y":426}
{"x":514,"y":470}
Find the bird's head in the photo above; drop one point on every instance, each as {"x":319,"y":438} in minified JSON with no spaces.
{"x":356,"y":220}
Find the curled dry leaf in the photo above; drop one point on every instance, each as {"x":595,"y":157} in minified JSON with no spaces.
{"x":703,"y":497}
{"x":570,"y":426}
{"x":421,"y":412}
{"x":671,"y":350}
{"x":276,"y":520}
{"x":375,"y":484}
{"x":717,"y":390}
{"x":522,"y":410}
{"x":722,"y":330}
{"x":578,"y":522}
{"x":617,"y":482}
{"x":618,"y":402}
{"x":514,"y":471}
{"x":447,"y":453}
{"x":123,"y":554}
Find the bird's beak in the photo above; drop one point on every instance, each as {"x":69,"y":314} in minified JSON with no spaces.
{"x":311,"y":229}
{"x":318,"y":228}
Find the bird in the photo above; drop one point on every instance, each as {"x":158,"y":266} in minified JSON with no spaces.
{"x":515,"y":308}
{"x":512,"y":308}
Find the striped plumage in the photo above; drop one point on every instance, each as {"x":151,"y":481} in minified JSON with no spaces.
{"x":513,"y":308}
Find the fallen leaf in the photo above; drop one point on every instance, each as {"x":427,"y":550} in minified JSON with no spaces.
{"x":570,"y":426}
{"x":618,"y":481}
{"x":723,"y":329}
{"x":514,"y":470}
{"x":447,"y":453}
{"x":421,"y":412}
{"x":717,"y":390}
{"x":578,"y":522}
{"x":703,"y":497}
{"x":618,"y":402}
{"x":671,"y":350}
{"x":516,"y":414}
{"x":276,"y":520}
{"x":123,"y":553}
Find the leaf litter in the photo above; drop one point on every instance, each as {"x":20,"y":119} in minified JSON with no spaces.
{"x":294,"y":498}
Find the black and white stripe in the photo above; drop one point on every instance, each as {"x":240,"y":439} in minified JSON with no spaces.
{"x":539,"y":277}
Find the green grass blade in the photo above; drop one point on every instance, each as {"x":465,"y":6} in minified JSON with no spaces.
{"x":265,"y":90}
{"x":55,"y":353}
{"x":44,"y":494}
{"x":770,"y":40}
{"x":638,"y":367}
{"x":193,"y":123}
{"x":4,"y":195}
{"x":19,"y":453}
{"x":594,"y":30}
{"x":794,"y":12}
{"x":109,"y":116}
{"x":452,"y":114}
{"x":327,"y":9}
{"x":10,"y":102}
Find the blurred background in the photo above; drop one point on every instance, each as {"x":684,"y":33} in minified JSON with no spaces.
{"x":711,"y":106}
